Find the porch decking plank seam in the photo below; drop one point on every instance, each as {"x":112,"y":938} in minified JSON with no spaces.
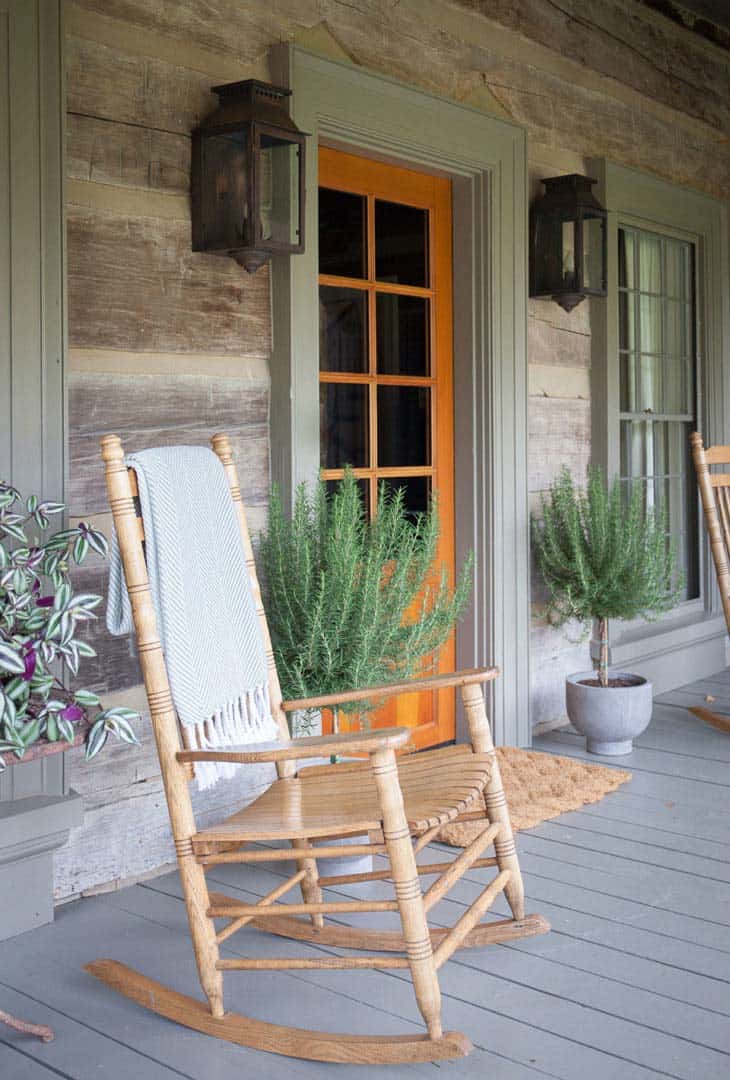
{"x":31,"y":1045}
{"x":591,"y":824}
{"x":539,"y":900}
{"x":602,"y":846}
{"x":650,"y":744}
{"x":624,"y":804}
{"x":316,"y":978}
{"x":528,"y":858}
{"x":632,"y":981}
{"x":562,"y":997}
{"x":18,"y":1054}
{"x":312,"y":977}
{"x":637,"y":764}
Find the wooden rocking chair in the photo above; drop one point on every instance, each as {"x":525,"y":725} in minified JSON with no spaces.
{"x":400,"y":804}
{"x":715,"y":495}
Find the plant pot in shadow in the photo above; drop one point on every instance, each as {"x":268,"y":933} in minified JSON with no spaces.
{"x":347,"y":864}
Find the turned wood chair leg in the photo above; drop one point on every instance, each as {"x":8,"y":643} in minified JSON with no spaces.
{"x":311,"y":892}
{"x":408,"y":891}
{"x":495,"y":802}
{"x":202,"y":931}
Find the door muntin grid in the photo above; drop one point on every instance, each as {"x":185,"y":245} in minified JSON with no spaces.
{"x":377,"y":382}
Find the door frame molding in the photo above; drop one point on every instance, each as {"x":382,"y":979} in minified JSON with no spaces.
{"x":32,"y":291}
{"x":486,"y":158}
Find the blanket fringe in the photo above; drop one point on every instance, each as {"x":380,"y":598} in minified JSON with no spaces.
{"x":242,"y":720}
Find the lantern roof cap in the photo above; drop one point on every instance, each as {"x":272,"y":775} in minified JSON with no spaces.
{"x":572,"y":189}
{"x":250,"y":101}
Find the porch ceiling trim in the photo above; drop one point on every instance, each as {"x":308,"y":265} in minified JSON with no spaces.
{"x":486,"y":158}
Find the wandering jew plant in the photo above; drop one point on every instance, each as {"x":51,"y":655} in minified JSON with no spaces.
{"x":40,"y":618}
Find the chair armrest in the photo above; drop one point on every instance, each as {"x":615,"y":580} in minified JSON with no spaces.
{"x":433,"y":682}
{"x":312,"y":746}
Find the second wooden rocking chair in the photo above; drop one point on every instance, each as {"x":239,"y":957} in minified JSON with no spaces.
{"x":399,"y":803}
{"x":715,"y":495}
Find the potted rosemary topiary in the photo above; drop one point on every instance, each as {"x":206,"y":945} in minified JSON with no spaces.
{"x":351,"y":601}
{"x":40,"y":646}
{"x":604,"y":557}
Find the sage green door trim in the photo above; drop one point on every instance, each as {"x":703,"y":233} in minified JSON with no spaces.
{"x":347,"y":107}
{"x":688,"y":643}
{"x":32,"y":323}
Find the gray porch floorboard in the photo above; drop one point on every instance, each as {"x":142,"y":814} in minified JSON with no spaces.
{"x":632,"y":982}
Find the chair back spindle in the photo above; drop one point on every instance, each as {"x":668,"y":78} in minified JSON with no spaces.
{"x":222,"y":447}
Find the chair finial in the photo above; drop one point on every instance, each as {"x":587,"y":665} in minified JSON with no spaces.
{"x":111,"y":449}
{"x":222,"y":446}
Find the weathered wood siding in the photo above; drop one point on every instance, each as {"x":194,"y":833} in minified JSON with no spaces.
{"x":167,"y":345}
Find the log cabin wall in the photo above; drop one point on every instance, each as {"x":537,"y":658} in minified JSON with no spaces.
{"x":169,"y":346}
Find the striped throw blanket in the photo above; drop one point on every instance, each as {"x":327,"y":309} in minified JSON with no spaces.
{"x":203,"y":598}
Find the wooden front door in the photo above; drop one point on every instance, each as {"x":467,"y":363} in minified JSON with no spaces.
{"x":386,"y":378}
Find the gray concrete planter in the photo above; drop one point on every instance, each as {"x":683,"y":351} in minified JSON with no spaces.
{"x":610,"y":717}
{"x":30,"y":831}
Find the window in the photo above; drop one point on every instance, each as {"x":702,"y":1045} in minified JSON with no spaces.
{"x":658,"y":383}
{"x":657,"y":373}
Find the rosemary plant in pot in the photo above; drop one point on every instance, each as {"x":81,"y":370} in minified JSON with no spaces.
{"x":354,"y":602}
{"x":604,"y":557}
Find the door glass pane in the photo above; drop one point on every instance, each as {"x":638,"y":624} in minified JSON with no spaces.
{"x":343,"y":322}
{"x":402,"y":334}
{"x":342,"y":218}
{"x":401,"y":243}
{"x":363,"y":485}
{"x":416,"y":492}
{"x":343,"y":425}
{"x":404,"y":425}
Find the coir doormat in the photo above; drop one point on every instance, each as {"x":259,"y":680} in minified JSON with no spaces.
{"x":541,"y":786}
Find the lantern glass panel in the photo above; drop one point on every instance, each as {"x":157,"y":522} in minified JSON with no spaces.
{"x":593,"y":253}
{"x":548,"y":256}
{"x":226,"y":192}
{"x":279,"y":190}
{"x":567,"y":276}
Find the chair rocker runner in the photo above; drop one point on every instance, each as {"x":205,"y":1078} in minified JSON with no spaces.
{"x":401,"y":803}
{"x":715,"y":495}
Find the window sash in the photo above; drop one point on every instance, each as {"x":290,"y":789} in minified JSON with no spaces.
{"x":658,"y":383}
